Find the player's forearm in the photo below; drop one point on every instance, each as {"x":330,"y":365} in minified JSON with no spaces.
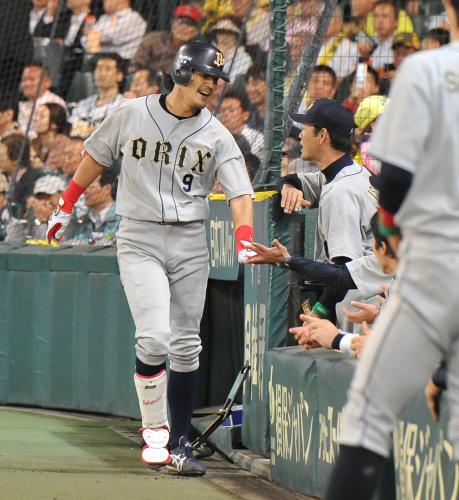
{"x":87,"y":172}
{"x":331,"y":275}
{"x":242,"y":211}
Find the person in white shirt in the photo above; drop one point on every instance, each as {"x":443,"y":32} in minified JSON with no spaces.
{"x":37,"y":12}
{"x":30,"y":83}
{"x":225,"y":35}
{"x":337,"y":51}
{"x":119,"y":30}
{"x":234,"y":114}
{"x":385,"y":18}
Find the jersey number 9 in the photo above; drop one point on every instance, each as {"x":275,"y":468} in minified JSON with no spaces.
{"x":187,"y":181}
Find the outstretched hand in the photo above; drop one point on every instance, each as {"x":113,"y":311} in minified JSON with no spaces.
{"x":267,"y":255}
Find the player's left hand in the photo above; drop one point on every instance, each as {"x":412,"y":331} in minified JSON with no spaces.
{"x":57,"y":224}
{"x":244,"y":255}
{"x":267,"y":255}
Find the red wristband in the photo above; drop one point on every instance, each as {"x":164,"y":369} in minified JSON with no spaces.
{"x":386,"y":218}
{"x":243,"y":233}
{"x":70,"y":196}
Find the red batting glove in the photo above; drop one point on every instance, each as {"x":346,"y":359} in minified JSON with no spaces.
{"x":59,"y":221}
{"x":244,"y":236}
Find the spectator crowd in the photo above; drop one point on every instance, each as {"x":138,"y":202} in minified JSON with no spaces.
{"x":81,"y":59}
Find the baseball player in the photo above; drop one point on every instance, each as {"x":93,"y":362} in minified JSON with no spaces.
{"x":417,"y":140}
{"x":172,"y":149}
{"x":341,"y":189}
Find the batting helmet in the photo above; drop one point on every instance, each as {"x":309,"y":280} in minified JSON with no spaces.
{"x":200,"y":56}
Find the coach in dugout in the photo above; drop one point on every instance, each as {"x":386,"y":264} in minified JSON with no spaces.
{"x":341,"y":190}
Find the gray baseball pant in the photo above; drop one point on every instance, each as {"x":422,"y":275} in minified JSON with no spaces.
{"x":418,"y":327}
{"x":164,"y":270}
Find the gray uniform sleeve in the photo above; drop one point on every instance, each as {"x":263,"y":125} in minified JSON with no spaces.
{"x":367,"y":275}
{"x":104,"y":143}
{"x":312,"y":183}
{"x":395,"y":139}
{"x":231,"y":170}
{"x":340,"y":224}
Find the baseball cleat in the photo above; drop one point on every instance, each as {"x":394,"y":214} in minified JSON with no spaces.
{"x":182,"y":461}
{"x":155,"y":451}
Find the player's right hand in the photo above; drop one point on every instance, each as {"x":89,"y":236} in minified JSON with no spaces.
{"x":292,"y":199}
{"x":58,"y":223}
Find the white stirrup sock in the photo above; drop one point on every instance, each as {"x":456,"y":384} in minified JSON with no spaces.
{"x":152,"y":394}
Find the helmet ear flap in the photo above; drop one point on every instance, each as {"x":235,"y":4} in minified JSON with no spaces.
{"x":181,"y":75}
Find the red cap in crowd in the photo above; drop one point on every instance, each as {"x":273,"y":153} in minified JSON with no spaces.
{"x":190,"y":11}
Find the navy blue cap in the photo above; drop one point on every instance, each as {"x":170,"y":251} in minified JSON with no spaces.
{"x":329,"y":114}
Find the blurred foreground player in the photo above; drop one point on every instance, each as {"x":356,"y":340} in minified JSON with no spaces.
{"x":417,"y":139}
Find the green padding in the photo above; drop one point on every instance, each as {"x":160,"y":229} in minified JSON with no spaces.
{"x":5,"y":250}
{"x":102,"y":261}
{"x":310,"y":224}
{"x":220,"y":240}
{"x":29,"y":258}
{"x":293,"y":397}
{"x":307,"y":391}
{"x":424,"y":460}
{"x":74,"y":346}
{"x":266,"y":309}
{"x":67,"y":336}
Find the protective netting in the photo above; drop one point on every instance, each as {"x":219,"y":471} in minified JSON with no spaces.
{"x":347,"y":50}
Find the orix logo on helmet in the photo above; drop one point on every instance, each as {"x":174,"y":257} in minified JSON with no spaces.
{"x":219,"y":59}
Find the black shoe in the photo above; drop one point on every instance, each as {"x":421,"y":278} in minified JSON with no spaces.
{"x":182,"y":461}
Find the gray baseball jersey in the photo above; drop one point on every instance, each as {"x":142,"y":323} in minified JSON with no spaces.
{"x":426,"y":94}
{"x":346,"y":205}
{"x":418,"y":132}
{"x":169,"y":165}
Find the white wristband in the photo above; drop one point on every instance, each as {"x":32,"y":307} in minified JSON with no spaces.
{"x":345,"y":342}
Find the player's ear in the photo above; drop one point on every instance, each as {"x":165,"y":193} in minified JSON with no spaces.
{"x":385,"y":249}
{"x":324,"y":136}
